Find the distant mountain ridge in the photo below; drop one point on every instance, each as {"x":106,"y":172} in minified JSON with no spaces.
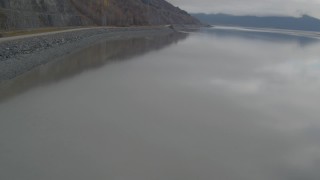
{"x":305,"y":22}
{"x":21,"y":14}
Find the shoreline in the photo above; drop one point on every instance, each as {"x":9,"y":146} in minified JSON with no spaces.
{"x":22,"y":54}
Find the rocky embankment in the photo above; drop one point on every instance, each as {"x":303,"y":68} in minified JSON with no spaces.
{"x":23,"y":54}
{"x":24,"y":14}
{"x":133,"y":12}
{"x":18,"y":14}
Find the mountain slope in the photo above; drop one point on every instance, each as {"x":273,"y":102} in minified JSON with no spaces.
{"x":133,"y":12}
{"x":19,"y":14}
{"x":306,"y":23}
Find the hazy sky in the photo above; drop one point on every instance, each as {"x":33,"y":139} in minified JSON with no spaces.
{"x":252,"y":7}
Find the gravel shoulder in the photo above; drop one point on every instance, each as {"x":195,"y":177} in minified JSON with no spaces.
{"x":21,"y":54}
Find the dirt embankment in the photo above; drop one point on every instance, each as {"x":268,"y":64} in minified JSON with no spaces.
{"x":18,"y":14}
{"x":19,"y":55}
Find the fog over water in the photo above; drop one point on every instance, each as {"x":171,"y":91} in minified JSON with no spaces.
{"x":212,"y":104}
{"x":252,"y":7}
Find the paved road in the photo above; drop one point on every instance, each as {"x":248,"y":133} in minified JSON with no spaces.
{"x":4,"y":39}
{"x":46,"y":33}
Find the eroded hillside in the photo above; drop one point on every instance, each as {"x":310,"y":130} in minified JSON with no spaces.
{"x":18,"y":14}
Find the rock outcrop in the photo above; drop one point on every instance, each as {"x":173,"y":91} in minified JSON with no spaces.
{"x":21,"y":14}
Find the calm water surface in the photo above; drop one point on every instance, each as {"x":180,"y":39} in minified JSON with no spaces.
{"x":214,"y":104}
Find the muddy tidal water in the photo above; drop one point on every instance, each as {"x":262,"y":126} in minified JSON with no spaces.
{"x":220,"y":104}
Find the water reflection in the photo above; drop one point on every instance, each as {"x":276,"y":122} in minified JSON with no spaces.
{"x":93,"y":57}
{"x":210,"y":107}
{"x":265,"y":36}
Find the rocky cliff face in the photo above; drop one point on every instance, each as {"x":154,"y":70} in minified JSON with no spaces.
{"x":20,"y":14}
{"x":133,"y":12}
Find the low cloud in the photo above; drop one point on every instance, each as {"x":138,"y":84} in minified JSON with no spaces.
{"x":252,"y":7}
